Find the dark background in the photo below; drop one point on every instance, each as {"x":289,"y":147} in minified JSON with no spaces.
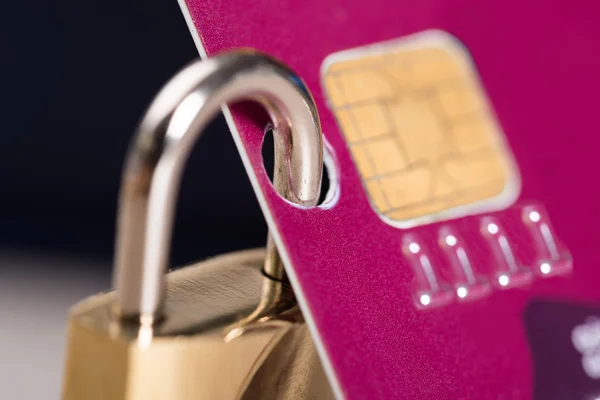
{"x":76,"y":78}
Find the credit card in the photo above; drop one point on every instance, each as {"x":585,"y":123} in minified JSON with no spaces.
{"x":455,"y":255}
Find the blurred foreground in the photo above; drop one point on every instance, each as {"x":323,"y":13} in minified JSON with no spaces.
{"x":35,"y":294}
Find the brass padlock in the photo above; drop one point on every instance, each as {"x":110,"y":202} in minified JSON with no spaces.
{"x":225,"y":328}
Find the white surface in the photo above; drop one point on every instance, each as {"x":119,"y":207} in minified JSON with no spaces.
{"x":35,"y":295}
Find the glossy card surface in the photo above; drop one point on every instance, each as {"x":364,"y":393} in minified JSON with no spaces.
{"x":457,"y":255}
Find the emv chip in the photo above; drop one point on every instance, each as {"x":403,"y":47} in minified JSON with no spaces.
{"x":420,"y":129}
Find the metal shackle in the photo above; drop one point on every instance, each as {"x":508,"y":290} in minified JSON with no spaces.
{"x":161,"y":146}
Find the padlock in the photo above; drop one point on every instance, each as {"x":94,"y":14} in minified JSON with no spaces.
{"x":225,"y":328}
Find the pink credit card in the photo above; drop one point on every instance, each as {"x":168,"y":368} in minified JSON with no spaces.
{"x":455,"y":256}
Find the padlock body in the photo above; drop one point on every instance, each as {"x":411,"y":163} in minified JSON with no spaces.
{"x":208,"y":346}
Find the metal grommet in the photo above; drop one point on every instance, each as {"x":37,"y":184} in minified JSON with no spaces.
{"x":165,"y":136}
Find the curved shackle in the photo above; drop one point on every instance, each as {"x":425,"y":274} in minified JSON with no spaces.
{"x":159,"y":151}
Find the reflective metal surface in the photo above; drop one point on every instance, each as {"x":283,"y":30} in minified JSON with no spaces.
{"x":200,"y":350}
{"x":172,"y":124}
{"x":291,"y":371}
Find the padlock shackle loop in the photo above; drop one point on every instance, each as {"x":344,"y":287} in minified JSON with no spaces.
{"x":164,"y":138}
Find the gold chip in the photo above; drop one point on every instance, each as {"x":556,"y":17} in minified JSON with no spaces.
{"x":420,"y":129}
